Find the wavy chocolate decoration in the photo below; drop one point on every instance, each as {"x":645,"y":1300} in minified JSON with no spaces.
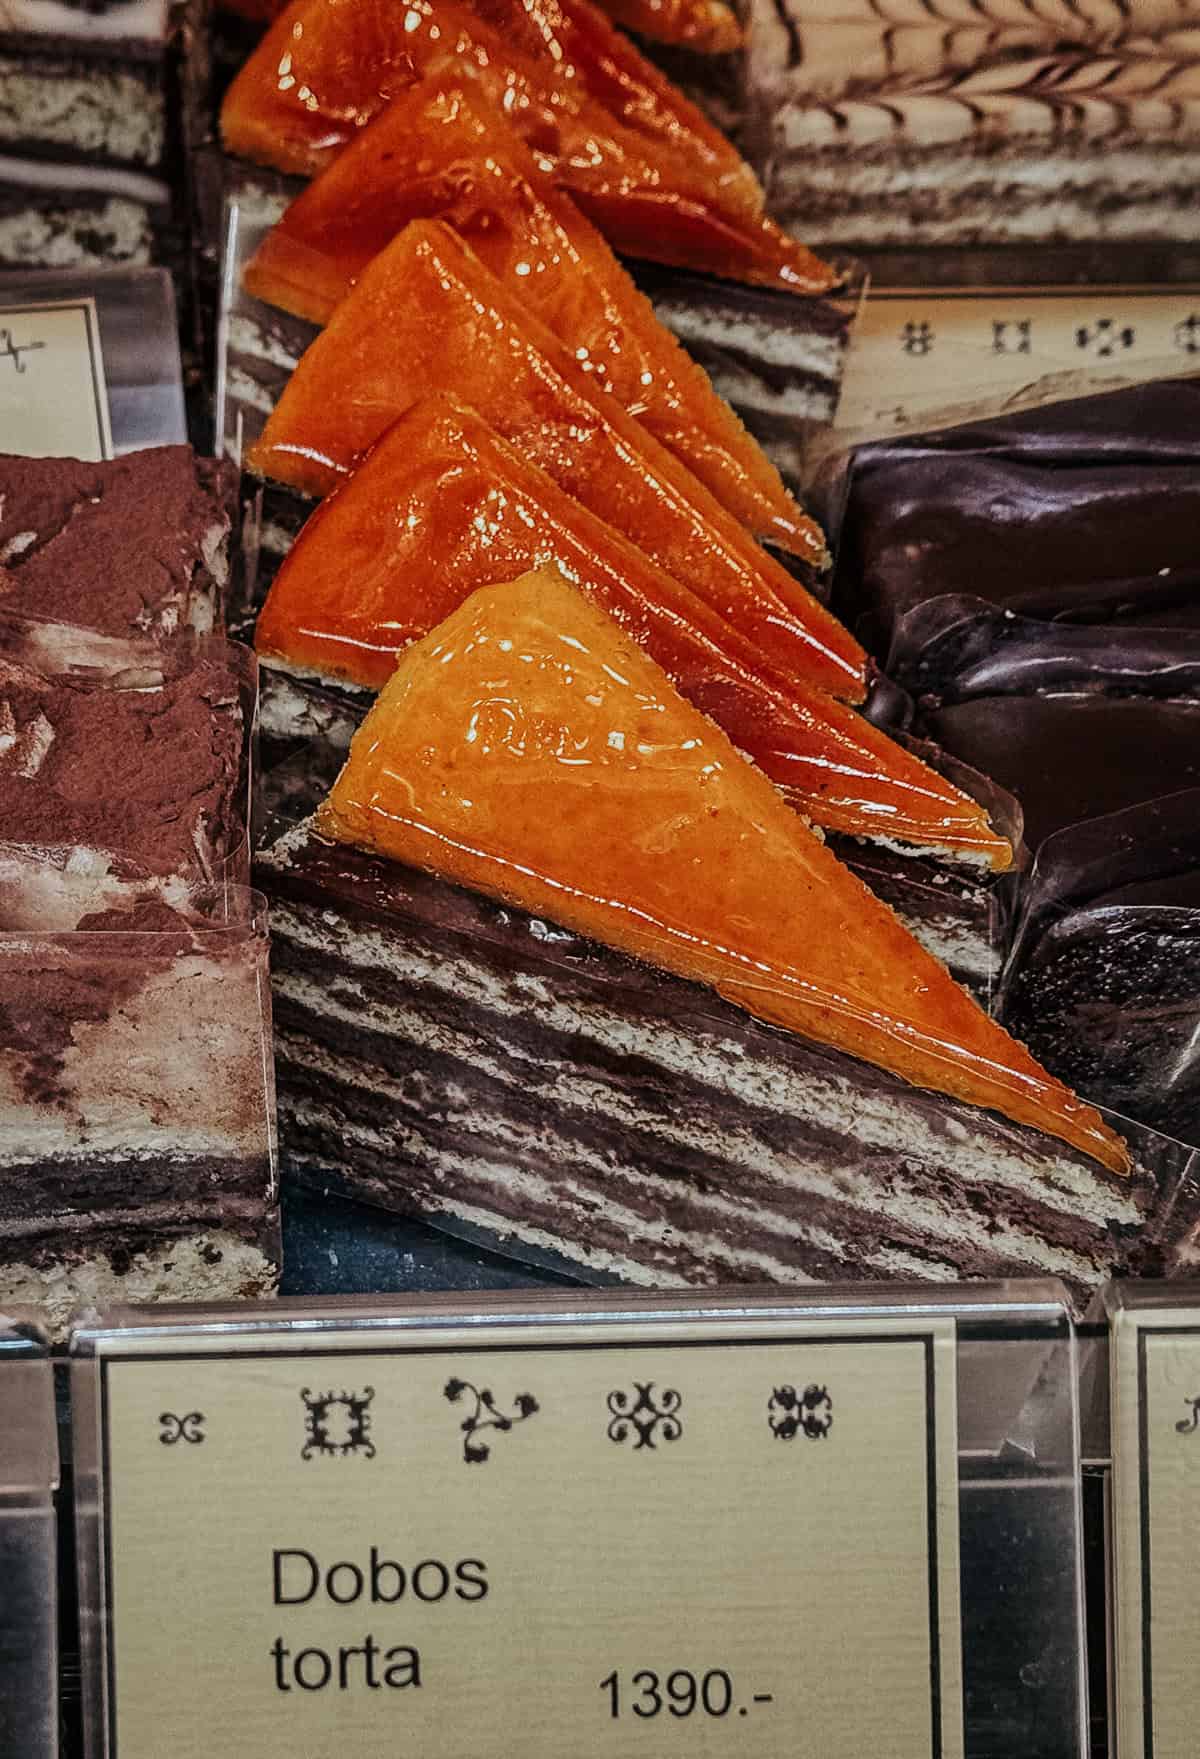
{"x":1060,"y":95}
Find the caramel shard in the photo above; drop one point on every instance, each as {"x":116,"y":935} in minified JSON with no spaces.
{"x":427,"y":301}
{"x":326,"y":68}
{"x":707,"y":26}
{"x":442,"y":506}
{"x":529,"y":749}
{"x":434,"y":154}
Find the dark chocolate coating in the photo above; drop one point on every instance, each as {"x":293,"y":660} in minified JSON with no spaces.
{"x":1073,"y":755}
{"x":1085,"y":510}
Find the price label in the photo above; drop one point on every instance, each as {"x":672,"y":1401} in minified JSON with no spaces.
{"x":1155,"y":1368}
{"x":698,"y":1537}
{"x":920,"y":359}
{"x":53,"y":393}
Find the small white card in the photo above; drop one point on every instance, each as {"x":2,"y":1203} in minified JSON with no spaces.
{"x":929,"y":359}
{"x":53,"y":392}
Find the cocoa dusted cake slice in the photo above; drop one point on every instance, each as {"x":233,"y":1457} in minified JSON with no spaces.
{"x":117,"y":794}
{"x":97,"y":560}
{"x":1104,"y":978}
{"x":845,"y":1109}
{"x":137,"y":1148}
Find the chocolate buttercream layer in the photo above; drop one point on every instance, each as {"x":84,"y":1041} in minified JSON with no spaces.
{"x":1071,"y":755}
{"x":443,"y":1056}
{"x":104,"y":784}
{"x":133,"y":547}
{"x":1104,"y":976}
{"x":1083,"y":511}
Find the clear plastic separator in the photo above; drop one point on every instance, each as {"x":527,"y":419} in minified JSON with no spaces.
{"x":29,"y":1478}
{"x":845,"y":1519}
{"x":1154,"y":1384}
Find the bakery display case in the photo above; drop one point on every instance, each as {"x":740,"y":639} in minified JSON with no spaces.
{"x":658,"y":537}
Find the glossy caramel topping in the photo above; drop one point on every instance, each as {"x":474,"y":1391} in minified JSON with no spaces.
{"x":587,"y":46}
{"x":527,"y":748}
{"x":434,"y":154}
{"x":426,"y":308}
{"x":707,"y":26}
{"x":442,"y":506}
{"x":326,"y":68}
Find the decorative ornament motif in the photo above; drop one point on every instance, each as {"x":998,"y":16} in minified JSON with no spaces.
{"x":486,"y":1414}
{"x":187,"y":1428}
{"x":1012,"y":336}
{"x":1189,"y":1425}
{"x":809,"y":1413}
{"x":337,"y":1424}
{"x":1104,"y":337}
{"x":917,"y":338}
{"x":640,"y":1413}
{"x":10,"y":350}
{"x":1187,"y":334}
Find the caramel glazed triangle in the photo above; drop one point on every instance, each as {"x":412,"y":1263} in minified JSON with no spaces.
{"x":642,"y":161}
{"x":426,"y":300}
{"x":434,"y":153}
{"x":529,"y":750}
{"x":442,"y":505}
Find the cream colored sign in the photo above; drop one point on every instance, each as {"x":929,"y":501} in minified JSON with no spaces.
{"x":1156,"y":1472}
{"x":695,"y":1540}
{"x":53,"y":395}
{"x":917,"y":359}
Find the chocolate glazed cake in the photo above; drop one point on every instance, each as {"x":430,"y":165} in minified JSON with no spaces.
{"x":1082,"y":512}
{"x":440,"y":1055}
{"x":1104,"y":979}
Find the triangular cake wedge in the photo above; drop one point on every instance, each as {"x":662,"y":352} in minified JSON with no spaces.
{"x":530,"y":750}
{"x":427,"y":301}
{"x":580,"y":39}
{"x":432,"y":154}
{"x":442,"y":506}
{"x":326,"y":68}
{"x":707,"y":27}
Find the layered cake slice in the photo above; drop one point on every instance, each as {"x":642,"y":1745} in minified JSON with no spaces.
{"x":1104,"y":978}
{"x":886,"y":125}
{"x":427,"y":299}
{"x":441,"y":505}
{"x":476,"y":1062}
{"x":137,"y":1150}
{"x":433,"y":154}
{"x":529,"y":749}
{"x":88,"y":147}
{"x":116,"y":794}
{"x":97,"y":558}
{"x":658,"y":180}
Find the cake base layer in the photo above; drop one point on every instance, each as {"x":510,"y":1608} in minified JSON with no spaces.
{"x":442,"y":1056}
{"x":179,"y":1262}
